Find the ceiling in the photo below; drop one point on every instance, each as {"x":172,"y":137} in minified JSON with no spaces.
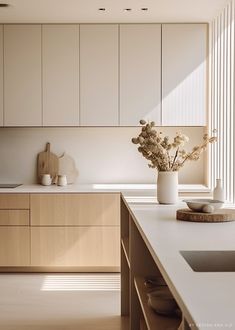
{"x":81,"y":11}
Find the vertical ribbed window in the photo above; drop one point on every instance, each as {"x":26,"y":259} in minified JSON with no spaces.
{"x":222,"y":156}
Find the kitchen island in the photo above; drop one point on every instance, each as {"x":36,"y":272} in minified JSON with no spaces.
{"x":152,"y":239}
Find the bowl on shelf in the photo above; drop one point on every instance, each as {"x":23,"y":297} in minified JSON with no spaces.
{"x":203,"y":205}
{"x":162,"y":301}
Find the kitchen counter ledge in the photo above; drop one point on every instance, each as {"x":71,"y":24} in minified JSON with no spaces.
{"x":126,"y":189}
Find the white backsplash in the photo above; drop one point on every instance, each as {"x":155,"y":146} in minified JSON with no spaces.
{"x":102,"y":155}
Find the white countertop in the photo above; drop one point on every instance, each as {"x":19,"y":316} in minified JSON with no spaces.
{"x":127,"y":189}
{"x":207,"y":299}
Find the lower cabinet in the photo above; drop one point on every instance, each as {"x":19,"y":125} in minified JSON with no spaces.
{"x":14,"y":246}
{"x":90,"y":247}
{"x":60,"y":232}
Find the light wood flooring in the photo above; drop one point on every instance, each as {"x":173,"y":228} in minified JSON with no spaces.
{"x":60,"y":302}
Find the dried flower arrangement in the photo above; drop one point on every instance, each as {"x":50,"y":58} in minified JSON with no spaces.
{"x":163,"y":154}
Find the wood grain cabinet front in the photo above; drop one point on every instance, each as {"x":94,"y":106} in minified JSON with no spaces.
{"x":86,"y":247}
{"x":14,"y":217}
{"x":14,"y":246}
{"x":68,"y":230}
{"x":14,"y":201}
{"x":96,"y":209}
{"x":14,"y":230}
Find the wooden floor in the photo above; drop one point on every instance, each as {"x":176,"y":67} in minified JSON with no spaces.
{"x":60,"y":302}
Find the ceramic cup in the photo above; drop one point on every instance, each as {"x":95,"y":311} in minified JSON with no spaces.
{"x":46,"y":180}
{"x":62,"y":180}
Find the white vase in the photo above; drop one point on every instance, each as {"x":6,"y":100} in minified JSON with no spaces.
{"x":167,"y":187}
{"x":218,"y":192}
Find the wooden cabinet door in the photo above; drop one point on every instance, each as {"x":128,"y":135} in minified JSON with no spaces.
{"x":14,"y":201}
{"x":90,"y":247}
{"x":140,"y":73}
{"x":14,"y":217}
{"x":1,"y":75}
{"x":184,"y":69}
{"x":60,"y":64}
{"x":75,"y":209}
{"x":99,"y":74}
{"x":22,"y":75}
{"x":14,"y":246}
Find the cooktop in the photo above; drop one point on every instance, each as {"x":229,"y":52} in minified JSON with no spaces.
{"x":10,"y":185}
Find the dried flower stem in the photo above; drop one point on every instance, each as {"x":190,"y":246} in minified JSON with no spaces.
{"x":176,"y":155}
{"x":157,"y":149}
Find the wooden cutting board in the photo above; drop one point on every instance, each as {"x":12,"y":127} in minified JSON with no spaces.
{"x":47,"y":163}
{"x":67,"y":167}
{"x":220,"y":215}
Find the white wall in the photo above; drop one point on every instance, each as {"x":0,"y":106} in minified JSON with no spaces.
{"x":102,"y":155}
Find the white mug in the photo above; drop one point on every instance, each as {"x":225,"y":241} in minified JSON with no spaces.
{"x":62,"y":180}
{"x":46,"y":180}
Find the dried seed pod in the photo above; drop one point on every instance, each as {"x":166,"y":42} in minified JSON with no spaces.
{"x":142,"y":122}
{"x":141,"y":139}
{"x":135,"y":140}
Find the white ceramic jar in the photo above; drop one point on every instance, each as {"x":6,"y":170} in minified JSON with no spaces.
{"x":62,"y":180}
{"x":46,"y":180}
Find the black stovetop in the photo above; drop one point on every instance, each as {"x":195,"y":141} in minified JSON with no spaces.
{"x":10,"y":185}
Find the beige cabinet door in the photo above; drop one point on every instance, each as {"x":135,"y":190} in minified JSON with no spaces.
{"x":14,"y":246}
{"x":140,"y":73}
{"x":90,"y":247}
{"x":22,"y":75}
{"x":75,"y":209}
{"x":60,"y":67}
{"x":14,"y":201}
{"x":1,"y":75}
{"x":14,"y":217}
{"x":184,"y":74}
{"x":99,"y":74}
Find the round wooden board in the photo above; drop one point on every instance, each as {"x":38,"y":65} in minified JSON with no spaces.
{"x":221,"y":215}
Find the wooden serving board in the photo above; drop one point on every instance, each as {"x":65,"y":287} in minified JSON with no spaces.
{"x":220,"y":215}
{"x":47,"y":163}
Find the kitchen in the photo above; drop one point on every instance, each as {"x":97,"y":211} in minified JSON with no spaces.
{"x":81,"y":75}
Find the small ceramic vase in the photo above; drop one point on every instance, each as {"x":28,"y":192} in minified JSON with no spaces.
{"x":62,"y":180}
{"x":218,"y":192}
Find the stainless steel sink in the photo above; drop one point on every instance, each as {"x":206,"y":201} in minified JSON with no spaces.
{"x":210,"y":261}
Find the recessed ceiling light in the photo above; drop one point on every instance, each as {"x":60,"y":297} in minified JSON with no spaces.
{"x":4,"y":4}
{"x":127,"y":9}
{"x":102,"y":9}
{"x":144,"y":9}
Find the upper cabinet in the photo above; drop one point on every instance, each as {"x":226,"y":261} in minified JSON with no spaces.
{"x":184,"y":66}
{"x":103,"y":74}
{"x":1,"y":75}
{"x":22,"y":75}
{"x":60,"y":72}
{"x":99,"y":75}
{"x":140,"y":73}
